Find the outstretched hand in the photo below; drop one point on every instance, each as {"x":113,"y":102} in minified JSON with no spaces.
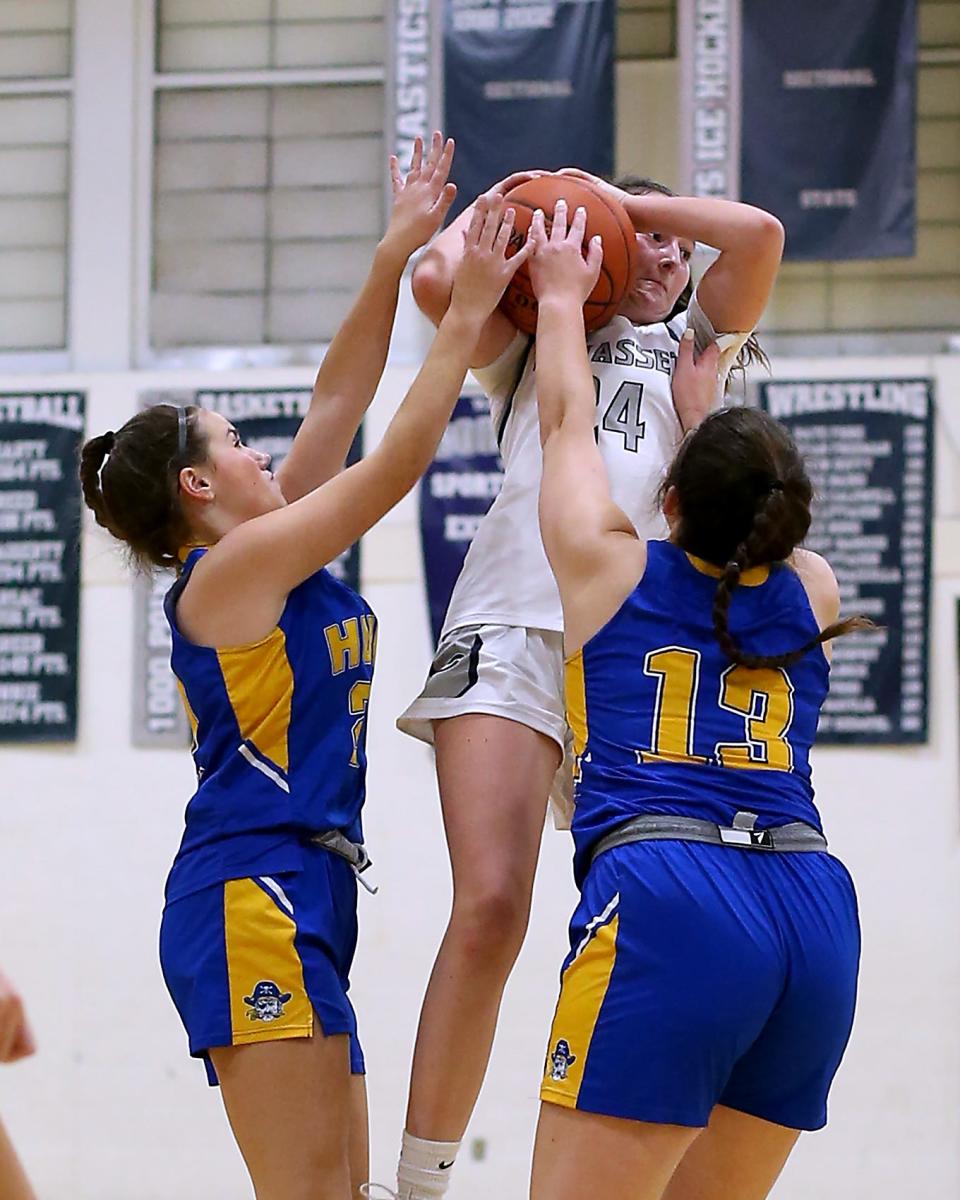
{"x":422,"y":198}
{"x":485,"y":270}
{"x":558,"y":266}
{"x":695,"y":382}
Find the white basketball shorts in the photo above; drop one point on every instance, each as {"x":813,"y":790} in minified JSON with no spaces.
{"x":507,"y":671}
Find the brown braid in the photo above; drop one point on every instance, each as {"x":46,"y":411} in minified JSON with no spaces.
{"x":751,"y":552}
{"x":744,"y":498}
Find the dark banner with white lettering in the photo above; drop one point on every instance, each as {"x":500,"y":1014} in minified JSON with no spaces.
{"x":527,"y":85}
{"x":461,"y":484}
{"x":868,"y":446}
{"x":266,"y":420}
{"x":40,"y":435}
{"x":828,"y":123}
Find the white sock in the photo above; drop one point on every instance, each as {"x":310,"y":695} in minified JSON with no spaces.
{"x":425,"y":1167}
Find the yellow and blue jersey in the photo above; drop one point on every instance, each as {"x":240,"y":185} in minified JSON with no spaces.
{"x":664,"y":723}
{"x":279,"y":734}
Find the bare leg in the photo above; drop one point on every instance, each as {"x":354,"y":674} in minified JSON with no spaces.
{"x":359,"y":1148}
{"x":736,"y":1155}
{"x":14,"y":1184}
{"x":495,"y":777}
{"x":289,"y":1104}
{"x":580,"y":1154}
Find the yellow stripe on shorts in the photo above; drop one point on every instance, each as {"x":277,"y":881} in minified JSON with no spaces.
{"x":583,"y":990}
{"x":268,"y":999}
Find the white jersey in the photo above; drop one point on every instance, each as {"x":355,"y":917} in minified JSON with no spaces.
{"x":505,"y":578}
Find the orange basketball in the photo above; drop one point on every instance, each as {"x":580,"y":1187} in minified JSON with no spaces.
{"x":604,"y":217}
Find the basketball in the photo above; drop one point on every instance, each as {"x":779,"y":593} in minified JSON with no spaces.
{"x":604,"y":217}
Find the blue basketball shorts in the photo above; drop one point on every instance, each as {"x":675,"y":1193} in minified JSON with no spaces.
{"x":260,"y":959}
{"x":702,"y":975}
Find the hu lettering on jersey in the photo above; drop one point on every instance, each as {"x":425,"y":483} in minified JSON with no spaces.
{"x":627,"y":353}
{"x":351,"y":642}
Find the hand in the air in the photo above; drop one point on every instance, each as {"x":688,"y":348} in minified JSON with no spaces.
{"x":422,"y":198}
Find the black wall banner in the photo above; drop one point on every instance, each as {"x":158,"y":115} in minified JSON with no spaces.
{"x":828,"y":123}
{"x":868,"y":446}
{"x":527,"y":85}
{"x":266,"y":420}
{"x":460,"y":485}
{"x":40,"y":436}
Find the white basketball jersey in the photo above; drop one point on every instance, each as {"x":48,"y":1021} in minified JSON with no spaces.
{"x":505,"y":578}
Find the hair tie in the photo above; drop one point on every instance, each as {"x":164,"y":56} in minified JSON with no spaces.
{"x":109,"y":441}
{"x":181,"y":432}
{"x":776,"y":486}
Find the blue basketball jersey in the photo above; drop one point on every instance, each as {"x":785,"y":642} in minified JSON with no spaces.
{"x":279,"y":733}
{"x":663,"y":722}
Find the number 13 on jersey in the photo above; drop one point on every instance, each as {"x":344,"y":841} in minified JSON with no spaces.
{"x":762,"y":699}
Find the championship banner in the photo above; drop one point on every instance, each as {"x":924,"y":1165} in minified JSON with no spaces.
{"x":40,"y":435}
{"x":460,"y":485}
{"x":527,"y":85}
{"x":868,"y":446}
{"x":828,"y":123}
{"x":266,"y":420}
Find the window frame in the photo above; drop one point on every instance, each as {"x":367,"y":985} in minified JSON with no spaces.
{"x":145,"y":355}
{"x":55,"y":358}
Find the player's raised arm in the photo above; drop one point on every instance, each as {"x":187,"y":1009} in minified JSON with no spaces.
{"x":261,"y":560}
{"x":734,"y":290}
{"x":579,"y":522}
{"x":434,"y":274}
{"x":354,"y":362}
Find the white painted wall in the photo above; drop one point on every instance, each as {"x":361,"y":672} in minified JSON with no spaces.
{"x":112,"y":1108}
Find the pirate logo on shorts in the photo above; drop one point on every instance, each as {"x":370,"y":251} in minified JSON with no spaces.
{"x":267,"y":1001}
{"x":561,"y":1060}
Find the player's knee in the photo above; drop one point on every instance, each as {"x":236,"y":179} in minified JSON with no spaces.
{"x":322,"y":1175}
{"x":490,"y":924}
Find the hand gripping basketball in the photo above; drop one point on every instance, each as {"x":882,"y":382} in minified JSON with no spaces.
{"x":605,"y":217}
